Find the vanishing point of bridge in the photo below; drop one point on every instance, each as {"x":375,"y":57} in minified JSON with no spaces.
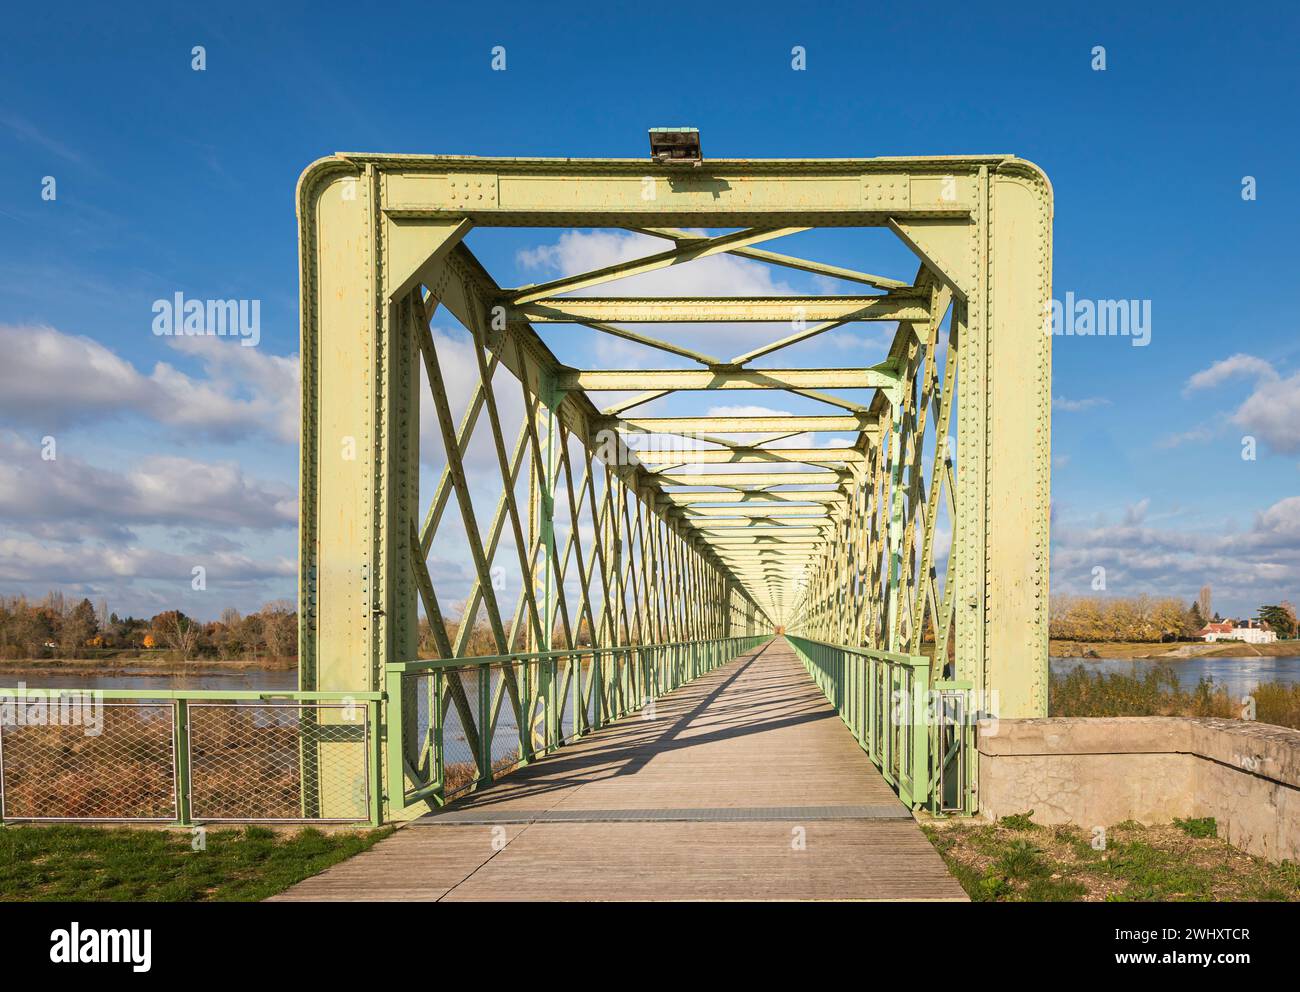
{"x":707,"y":589}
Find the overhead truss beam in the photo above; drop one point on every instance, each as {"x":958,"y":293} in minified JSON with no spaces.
{"x":595,"y":380}
{"x":897,"y":305}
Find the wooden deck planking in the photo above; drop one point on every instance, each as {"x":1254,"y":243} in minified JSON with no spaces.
{"x":755,"y":733}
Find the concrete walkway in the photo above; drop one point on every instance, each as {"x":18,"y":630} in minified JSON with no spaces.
{"x":744,"y":786}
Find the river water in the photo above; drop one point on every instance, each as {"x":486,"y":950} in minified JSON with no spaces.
{"x":252,"y":679}
{"x":1238,"y":675}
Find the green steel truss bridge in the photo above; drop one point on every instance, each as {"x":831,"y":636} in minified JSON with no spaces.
{"x":905,"y":569}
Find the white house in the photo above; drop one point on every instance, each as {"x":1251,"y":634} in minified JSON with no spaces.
{"x":1250,"y":631}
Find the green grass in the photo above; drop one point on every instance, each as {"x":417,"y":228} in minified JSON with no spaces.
{"x":107,"y":865}
{"x":1019,"y":821}
{"x":1205,"y":826}
{"x":1017,"y":860}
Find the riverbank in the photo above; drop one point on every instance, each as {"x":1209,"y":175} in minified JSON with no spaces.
{"x":1171,"y":651}
{"x":142,"y":666}
{"x":1085,"y":691}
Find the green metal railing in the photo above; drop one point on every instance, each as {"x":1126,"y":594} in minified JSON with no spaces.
{"x":187,"y":757}
{"x":455,"y":724}
{"x":205,"y":756}
{"x":915,"y":730}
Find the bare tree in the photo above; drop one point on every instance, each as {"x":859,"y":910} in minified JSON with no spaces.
{"x":178,"y":632}
{"x":280,"y":628}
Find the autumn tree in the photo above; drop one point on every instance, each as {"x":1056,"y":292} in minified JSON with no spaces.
{"x":78,"y":627}
{"x":26,"y":628}
{"x":1115,"y":618}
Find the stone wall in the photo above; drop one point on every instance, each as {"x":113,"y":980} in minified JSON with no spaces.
{"x":1098,"y":771}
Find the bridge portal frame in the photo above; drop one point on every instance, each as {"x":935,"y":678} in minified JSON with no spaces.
{"x":381,"y":240}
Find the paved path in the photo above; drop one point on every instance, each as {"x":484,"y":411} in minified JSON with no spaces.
{"x":745,"y":785}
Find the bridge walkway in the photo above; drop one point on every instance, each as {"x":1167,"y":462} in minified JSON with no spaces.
{"x":742,"y":785}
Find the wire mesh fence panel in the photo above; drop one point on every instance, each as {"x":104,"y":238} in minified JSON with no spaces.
{"x":117,"y":761}
{"x":607,"y":702}
{"x":528,"y":674}
{"x":637,"y":682}
{"x":459,"y":732}
{"x":591,"y":666}
{"x":419,"y":704}
{"x":279,"y":761}
{"x":906,"y":729}
{"x":618,"y":683}
{"x":566,"y":673}
{"x":895,"y":729}
{"x":505,"y":731}
{"x":608,"y":686}
{"x":882,"y":707}
{"x":864,"y":702}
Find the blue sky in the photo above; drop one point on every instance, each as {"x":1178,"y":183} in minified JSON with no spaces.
{"x":171,"y":180}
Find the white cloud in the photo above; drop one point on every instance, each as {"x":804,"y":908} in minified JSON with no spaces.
{"x":1202,"y":433}
{"x":256,"y":391}
{"x":164,"y":490}
{"x":1270,"y":412}
{"x":51,"y":380}
{"x":1245,"y":567}
{"x":1281,"y":521}
{"x":28,"y":561}
{"x":1074,"y":406}
{"x":1235,"y":367}
{"x":1136,"y":512}
{"x":130,"y":528}
{"x":746,"y":410}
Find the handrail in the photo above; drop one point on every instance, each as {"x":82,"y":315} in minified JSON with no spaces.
{"x":899,"y":717}
{"x":261,"y":695}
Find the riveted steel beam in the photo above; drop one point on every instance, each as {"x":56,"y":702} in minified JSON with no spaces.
{"x":783,"y":424}
{"x":750,"y":564}
{"x":759,"y":526}
{"x":895,"y":305}
{"x":764,"y":497}
{"x":794,"y":546}
{"x":750,"y":456}
{"x":595,"y":380}
{"x":735,"y":479}
{"x":637,"y":193}
{"x":769,"y":512}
